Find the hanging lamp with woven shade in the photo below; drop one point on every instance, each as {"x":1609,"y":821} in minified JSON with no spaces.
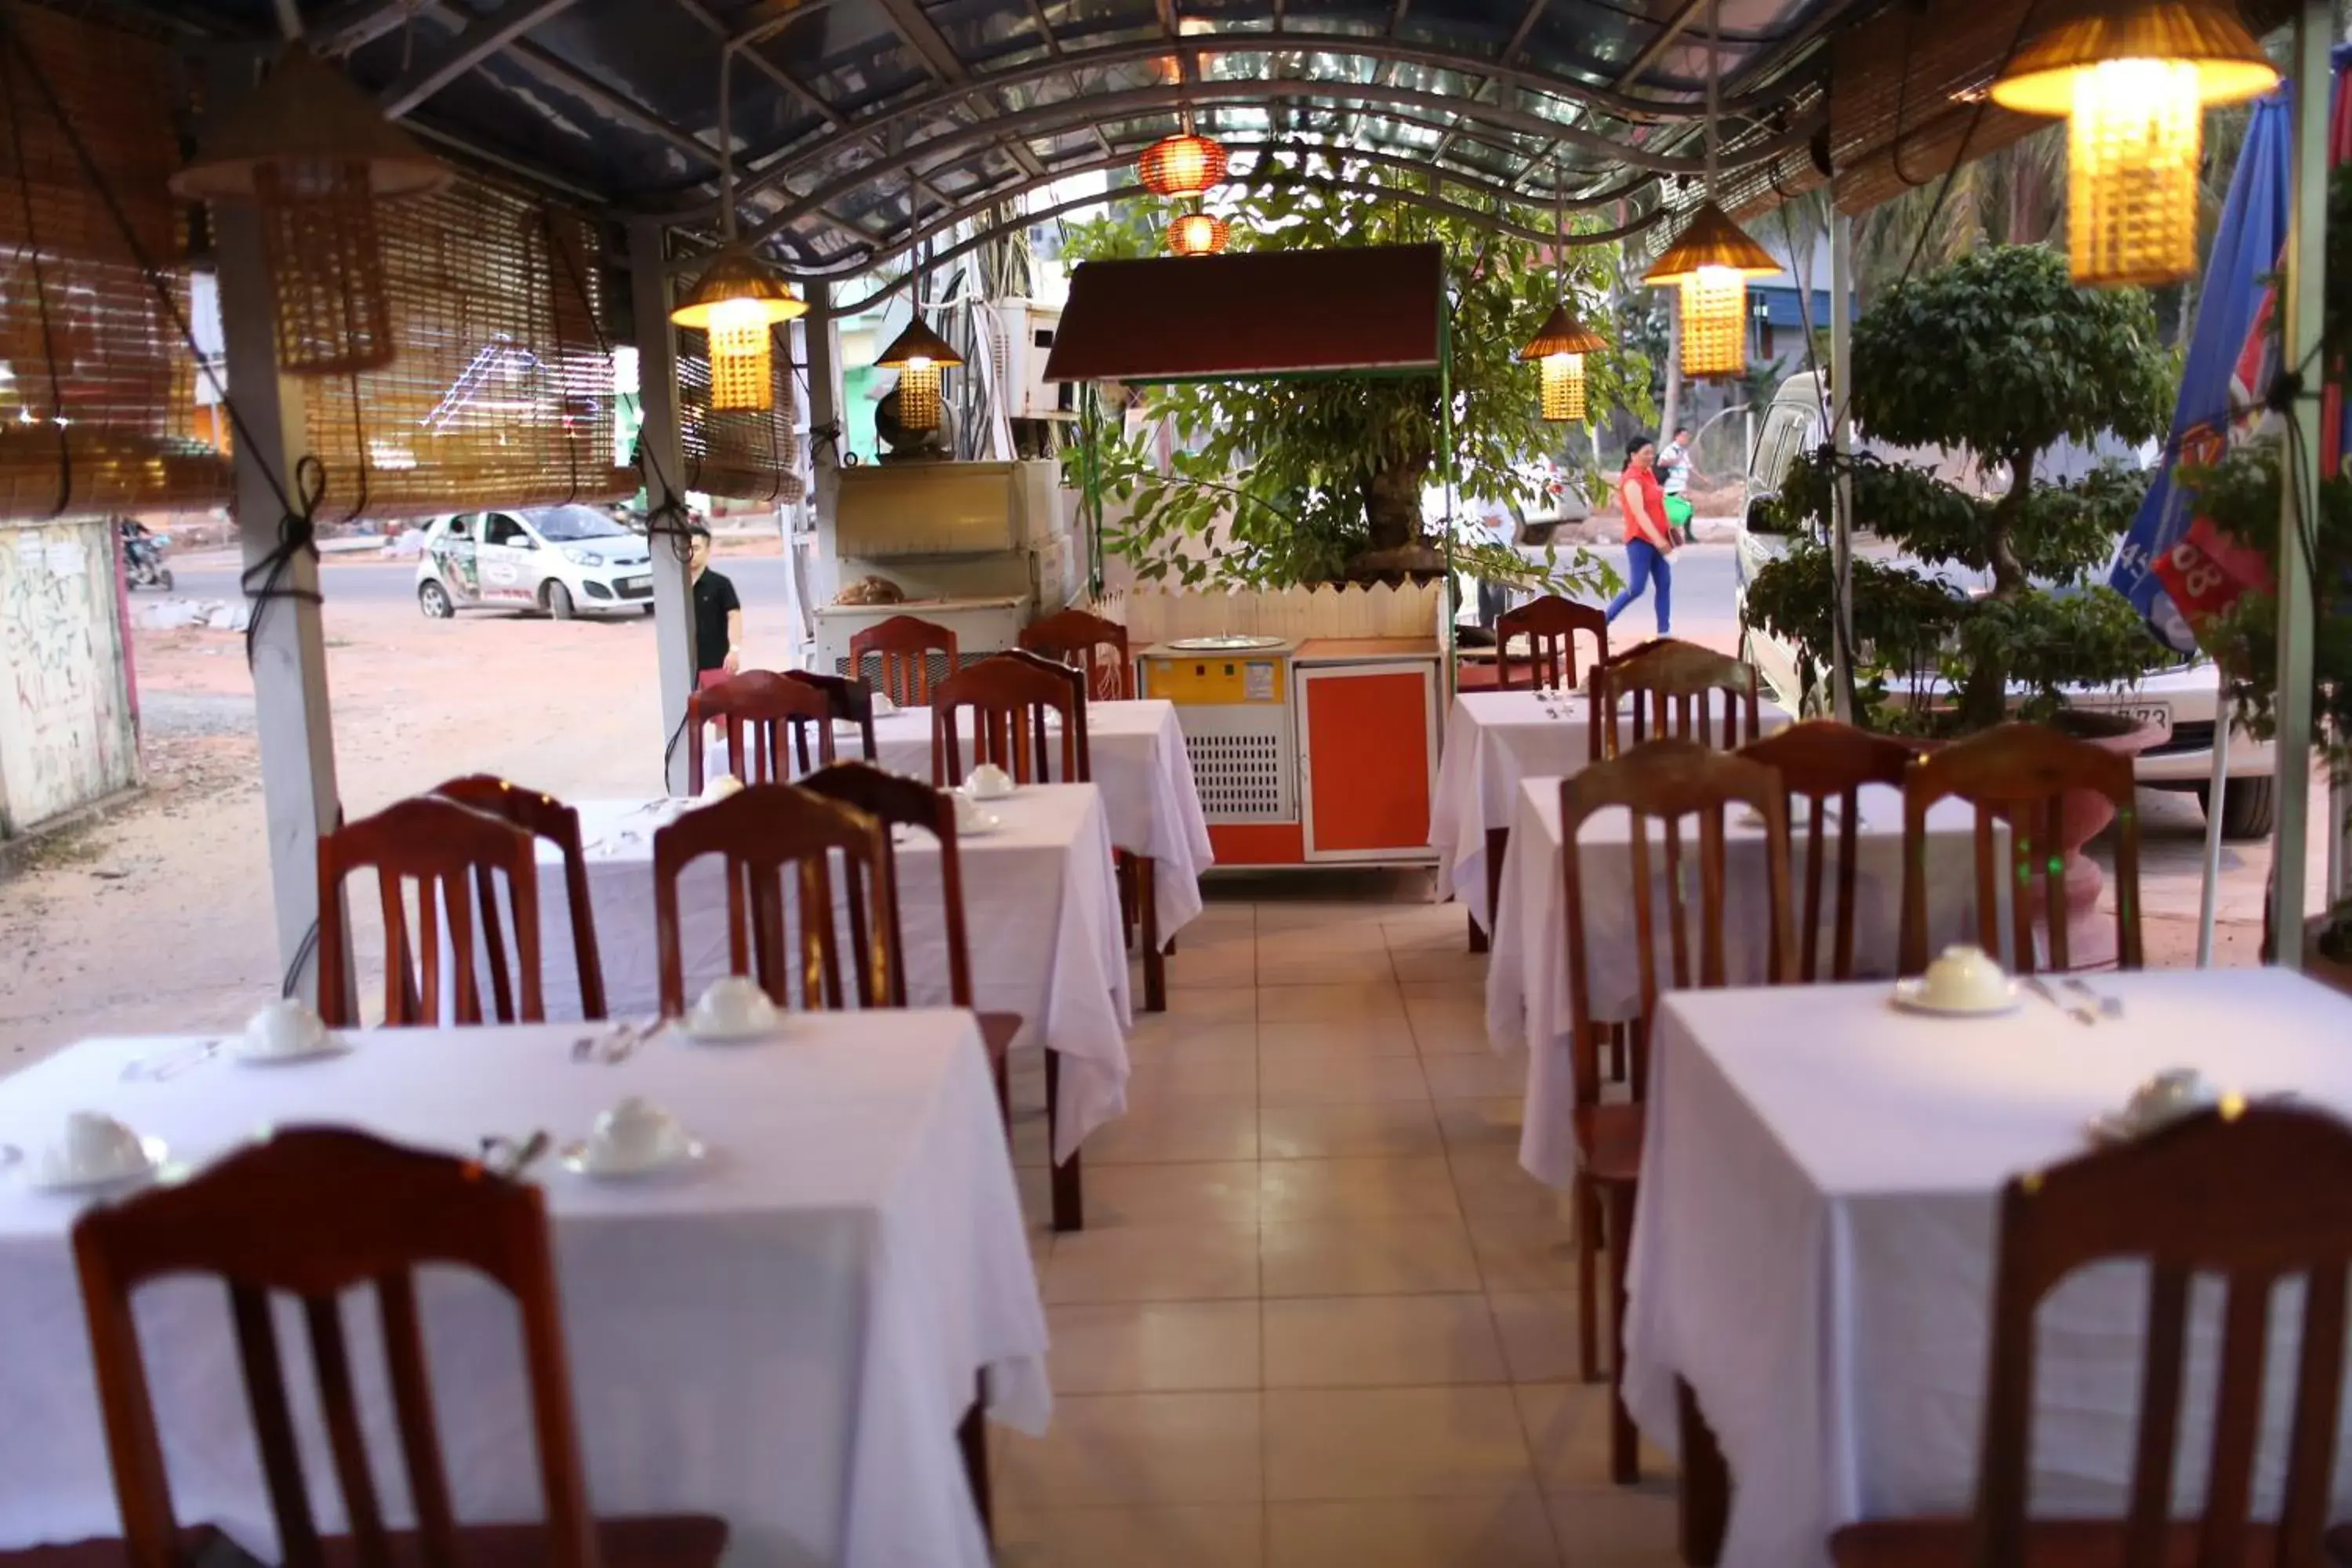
{"x":313,"y":157}
{"x":1198,"y":234}
{"x":1560,"y":346}
{"x":1710,"y":263}
{"x":2134,"y":84}
{"x":738,"y":302}
{"x":1181,"y":166}
{"x":918,"y":354}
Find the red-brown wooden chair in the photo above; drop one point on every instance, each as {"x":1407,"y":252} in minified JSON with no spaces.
{"x":903,"y":647}
{"x":1089,"y":643}
{"x":781,"y":848}
{"x":1668,"y":687}
{"x":1012,"y":702}
{"x":851,"y":701}
{"x":770,"y":721}
{"x":1826,"y":764}
{"x":2019,"y":775}
{"x":1550,"y":625}
{"x":1661,"y":782}
{"x":451,"y":852}
{"x":313,"y":1212}
{"x":541,"y":816}
{"x":2245,"y":1196}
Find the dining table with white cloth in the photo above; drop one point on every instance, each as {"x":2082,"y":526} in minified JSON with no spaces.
{"x":786,"y":1334}
{"x":1137,"y":750}
{"x":1815,"y":1237}
{"x":1041,"y":928}
{"x":1528,"y":992}
{"x":1494,"y":740}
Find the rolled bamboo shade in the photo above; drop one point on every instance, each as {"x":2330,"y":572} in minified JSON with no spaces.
{"x":502,"y":393}
{"x":104,"y":354}
{"x":740,"y":454}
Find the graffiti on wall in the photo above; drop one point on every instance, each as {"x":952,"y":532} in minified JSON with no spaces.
{"x":67,"y":737}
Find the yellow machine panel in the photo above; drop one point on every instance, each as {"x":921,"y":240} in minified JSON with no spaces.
{"x":1199,"y":679}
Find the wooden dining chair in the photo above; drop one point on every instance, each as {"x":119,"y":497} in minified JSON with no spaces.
{"x":770,"y":721}
{"x":851,"y":700}
{"x":451,"y":852}
{"x":312,"y":1213}
{"x":541,"y":816}
{"x":1011,"y":701}
{"x":2019,"y":776}
{"x":1090,"y":643}
{"x":1550,"y":625}
{"x":1826,"y":764}
{"x":1077,"y":678}
{"x":781,"y":848}
{"x":1658,"y":783}
{"x":2244,"y":1196}
{"x":1672,"y":688}
{"x":902,"y":648}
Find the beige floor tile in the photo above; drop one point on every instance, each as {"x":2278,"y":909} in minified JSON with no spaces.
{"x":1568,"y":1432}
{"x":1224,"y":964}
{"x":1368,"y":967}
{"x":1481,"y":1123}
{"x":1379,"y":1035}
{"x":1335,"y":1078}
{"x":1620,"y":1527}
{"x":1306,"y":1004}
{"x":1513,"y":1531}
{"x":1220,"y":1191}
{"x":1374,"y":1188}
{"x":1235,"y":1006}
{"x":1379,"y":1341}
{"x":1131,"y":1347}
{"x":1278,"y":914}
{"x":1391,"y":1127}
{"x":1459,"y":990}
{"x":1528,"y":1252}
{"x":1349,"y":936}
{"x":1153,"y":1263}
{"x":1106,"y":1449}
{"x":1184,"y":1130}
{"x":1431,"y":928}
{"x":1474,"y":1075}
{"x":1423,"y":964}
{"x":1163,"y":1037}
{"x":1196,"y":1072}
{"x":1366,"y":1258}
{"x":1388,"y":1443}
{"x":1201,"y":1535}
{"x":1488,"y":1180}
{"x":1452,"y":1027}
{"x":1539,"y":1334}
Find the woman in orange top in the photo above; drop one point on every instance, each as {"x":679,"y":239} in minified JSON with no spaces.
{"x":1648,"y":540}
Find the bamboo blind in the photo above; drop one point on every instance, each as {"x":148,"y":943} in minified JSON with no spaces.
{"x":96,"y":401}
{"x":741,"y":454}
{"x":501,"y":394}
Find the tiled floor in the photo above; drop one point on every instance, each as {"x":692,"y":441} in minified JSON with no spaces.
{"x":1319,"y":1315}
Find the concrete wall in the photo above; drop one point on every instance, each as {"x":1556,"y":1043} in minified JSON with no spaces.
{"x":68,"y":734}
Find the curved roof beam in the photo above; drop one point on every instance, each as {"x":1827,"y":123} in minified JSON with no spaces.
{"x":1076,"y":113}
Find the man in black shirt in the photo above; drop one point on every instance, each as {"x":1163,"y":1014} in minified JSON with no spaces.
{"x":718,"y":616}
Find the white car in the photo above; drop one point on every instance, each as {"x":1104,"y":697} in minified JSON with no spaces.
{"x":565,"y":560}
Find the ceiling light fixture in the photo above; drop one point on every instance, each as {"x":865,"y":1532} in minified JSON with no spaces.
{"x":737,"y":301}
{"x":1561,"y":344}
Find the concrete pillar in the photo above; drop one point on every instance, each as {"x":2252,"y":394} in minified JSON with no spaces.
{"x":828,"y":433}
{"x":665,"y":467}
{"x":1841,"y":436}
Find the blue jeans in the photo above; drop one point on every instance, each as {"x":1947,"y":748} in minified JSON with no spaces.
{"x":1646,"y":559}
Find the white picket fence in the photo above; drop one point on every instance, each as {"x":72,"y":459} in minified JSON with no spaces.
{"x":1326,"y":610}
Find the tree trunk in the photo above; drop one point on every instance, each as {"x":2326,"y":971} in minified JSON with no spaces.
{"x":1984,"y":700}
{"x":1392,"y":504}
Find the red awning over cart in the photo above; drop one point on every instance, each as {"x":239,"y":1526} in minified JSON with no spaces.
{"x":1273,"y":312}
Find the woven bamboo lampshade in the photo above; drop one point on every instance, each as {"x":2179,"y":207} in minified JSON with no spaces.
{"x":1198,"y":234}
{"x":1710,"y":263}
{"x":1560,"y":346}
{"x":738,"y":302}
{"x":312,"y":155}
{"x":918,"y":354}
{"x":1182,"y":165}
{"x":2133,"y":85}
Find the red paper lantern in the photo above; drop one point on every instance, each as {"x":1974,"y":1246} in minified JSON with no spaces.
{"x":1198,"y":234}
{"x":1181,"y":166}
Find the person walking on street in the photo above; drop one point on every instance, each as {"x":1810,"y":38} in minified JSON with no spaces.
{"x":718,"y":616}
{"x":1648,"y":540}
{"x":1674,"y":474}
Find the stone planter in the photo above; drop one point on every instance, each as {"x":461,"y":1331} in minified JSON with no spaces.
{"x":2082,"y":817}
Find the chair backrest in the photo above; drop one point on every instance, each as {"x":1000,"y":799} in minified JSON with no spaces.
{"x":1673,"y":688}
{"x":1662,"y":783}
{"x":1078,"y":679}
{"x":1012,"y":700}
{"x":903,"y":646}
{"x":2252,"y":1193}
{"x":1550,"y":625}
{"x":541,"y":816}
{"x":762,"y":833}
{"x":1826,"y":764}
{"x":767,"y":710}
{"x":1090,"y":643}
{"x":450,"y":851}
{"x":311,"y":1213}
{"x":2019,"y":775}
{"x":898,"y":801}
{"x":852,"y":700}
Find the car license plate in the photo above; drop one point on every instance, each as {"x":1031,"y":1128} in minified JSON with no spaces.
{"x":2157,"y":715}
{"x":636,"y":585}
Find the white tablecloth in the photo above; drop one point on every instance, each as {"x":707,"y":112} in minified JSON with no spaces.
{"x":1138,"y":760}
{"x":1041,"y":925}
{"x":1494,"y":740}
{"x":787,"y":1336}
{"x":1813,"y":1244}
{"x":1528,"y":998}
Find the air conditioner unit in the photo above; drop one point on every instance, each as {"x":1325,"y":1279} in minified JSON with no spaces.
{"x":1020,"y":336}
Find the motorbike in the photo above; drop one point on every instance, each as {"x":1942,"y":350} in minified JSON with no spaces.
{"x":143,"y":557}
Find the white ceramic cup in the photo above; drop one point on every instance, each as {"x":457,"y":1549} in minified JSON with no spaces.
{"x":970,"y":817}
{"x":988,"y":782}
{"x":287,"y":1028}
{"x":735,"y":1002}
{"x":635,"y":1131}
{"x":96,"y":1146}
{"x":1964,"y":976}
{"x":2169,"y":1096}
